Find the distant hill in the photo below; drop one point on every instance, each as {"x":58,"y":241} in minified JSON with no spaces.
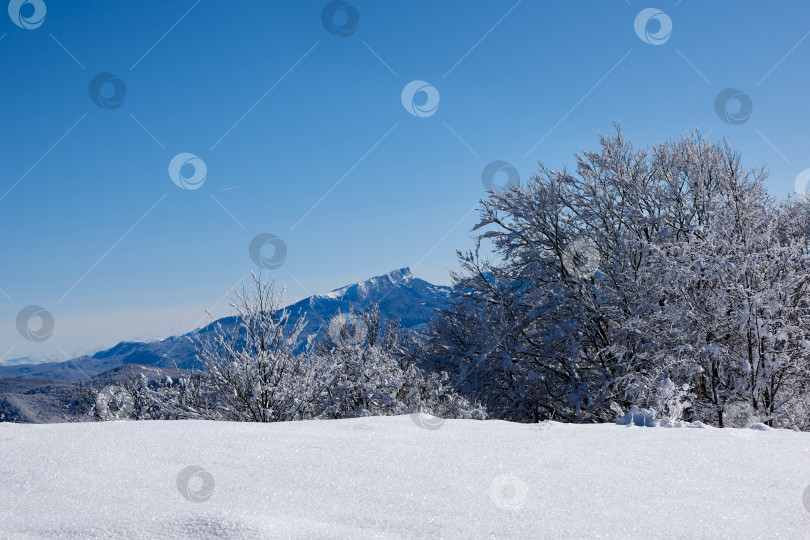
{"x":401,"y":296}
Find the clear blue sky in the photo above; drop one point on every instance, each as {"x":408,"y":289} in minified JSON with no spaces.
{"x":95,"y":231}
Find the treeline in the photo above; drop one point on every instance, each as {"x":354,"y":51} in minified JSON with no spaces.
{"x":662,"y":277}
{"x":257,"y":371}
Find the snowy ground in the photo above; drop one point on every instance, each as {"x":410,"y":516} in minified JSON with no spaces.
{"x":391,"y":478}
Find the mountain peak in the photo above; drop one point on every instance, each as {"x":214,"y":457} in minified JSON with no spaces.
{"x":395,"y":277}
{"x":410,"y":301}
{"x":399,"y":276}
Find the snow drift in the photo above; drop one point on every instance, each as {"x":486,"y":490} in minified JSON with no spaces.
{"x":399,"y":477}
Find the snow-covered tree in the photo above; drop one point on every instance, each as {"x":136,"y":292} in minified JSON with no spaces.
{"x":257,"y":368}
{"x":254,"y":368}
{"x":371,"y":372}
{"x":643,"y":271}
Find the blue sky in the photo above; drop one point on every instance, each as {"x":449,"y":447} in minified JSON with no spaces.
{"x":304,"y":136}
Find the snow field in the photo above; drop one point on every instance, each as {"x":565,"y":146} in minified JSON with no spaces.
{"x":400,"y":477}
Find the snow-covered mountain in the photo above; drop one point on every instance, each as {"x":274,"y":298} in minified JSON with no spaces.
{"x":401,"y":296}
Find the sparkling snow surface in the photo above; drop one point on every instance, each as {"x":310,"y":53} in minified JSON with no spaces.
{"x":392,"y":478}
